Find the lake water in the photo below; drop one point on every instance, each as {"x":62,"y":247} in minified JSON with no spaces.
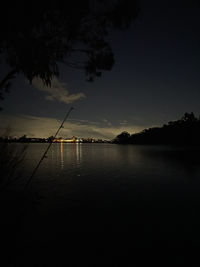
{"x":146,"y":195}
{"x":115,"y":174}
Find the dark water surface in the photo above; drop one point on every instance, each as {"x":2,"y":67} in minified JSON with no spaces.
{"x":112,"y":205}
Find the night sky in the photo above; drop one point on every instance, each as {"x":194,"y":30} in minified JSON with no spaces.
{"x":155,"y":79}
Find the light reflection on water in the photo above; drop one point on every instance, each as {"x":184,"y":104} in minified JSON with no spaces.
{"x":74,"y":154}
{"x":105,"y":163}
{"x":61,"y":156}
{"x":146,"y":196}
{"x":151,"y":191}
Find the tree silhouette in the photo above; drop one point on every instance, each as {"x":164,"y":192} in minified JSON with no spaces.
{"x":189,"y":117}
{"x":122,"y":138}
{"x":185,"y":131}
{"x":35,"y":38}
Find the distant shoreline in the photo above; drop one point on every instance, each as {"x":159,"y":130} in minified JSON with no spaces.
{"x":185,"y":131}
{"x":56,"y":142}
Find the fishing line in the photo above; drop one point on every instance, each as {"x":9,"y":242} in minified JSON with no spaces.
{"x":47,"y":149}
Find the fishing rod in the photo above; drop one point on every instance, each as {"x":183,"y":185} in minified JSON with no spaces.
{"x":47,"y":149}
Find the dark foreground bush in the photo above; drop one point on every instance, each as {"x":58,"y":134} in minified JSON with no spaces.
{"x":11,"y":159}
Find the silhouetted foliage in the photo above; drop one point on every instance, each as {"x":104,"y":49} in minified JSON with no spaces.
{"x":123,"y":138}
{"x":11,"y":158}
{"x":23,"y":139}
{"x":35,"y":38}
{"x":50,"y":139}
{"x":180,"y":132}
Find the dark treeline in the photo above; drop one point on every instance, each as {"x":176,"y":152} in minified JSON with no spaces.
{"x":24,"y":139}
{"x":185,"y":131}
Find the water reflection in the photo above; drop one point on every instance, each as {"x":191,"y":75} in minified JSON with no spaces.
{"x":78,"y":153}
{"x":61,"y":156}
{"x":111,"y":162}
{"x":143,"y":190}
{"x":70,"y":154}
{"x":181,"y":159}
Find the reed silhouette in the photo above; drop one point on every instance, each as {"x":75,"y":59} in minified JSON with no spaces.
{"x":11,"y":160}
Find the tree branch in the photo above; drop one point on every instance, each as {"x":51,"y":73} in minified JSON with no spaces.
{"x":4,"y":84}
